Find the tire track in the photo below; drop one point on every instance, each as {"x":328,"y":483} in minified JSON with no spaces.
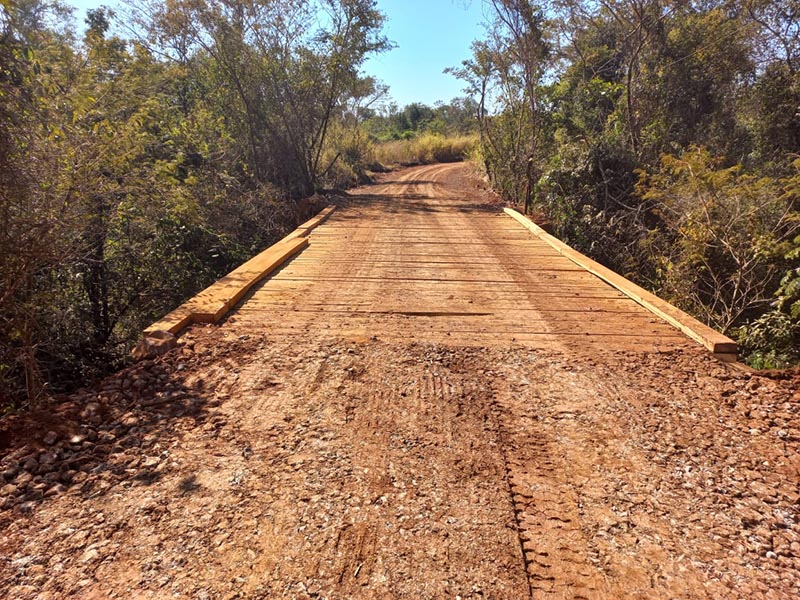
{"x":559,"y":557}
{"x":509,"y":490}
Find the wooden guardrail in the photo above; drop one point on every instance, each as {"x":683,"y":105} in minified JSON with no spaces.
{"x":721,"y":346}
{"x":214,"y":302}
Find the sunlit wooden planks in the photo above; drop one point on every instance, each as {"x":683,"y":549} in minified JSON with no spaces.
{"x":214,"y":302}
{"x":719,"y":344}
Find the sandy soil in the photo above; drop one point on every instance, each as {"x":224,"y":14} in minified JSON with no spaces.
{"x":291,"y":453}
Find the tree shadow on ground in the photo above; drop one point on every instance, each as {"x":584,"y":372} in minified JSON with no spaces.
{"x":115,"y":433}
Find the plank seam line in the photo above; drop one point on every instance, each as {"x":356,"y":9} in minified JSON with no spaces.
{"x":720,"y":345}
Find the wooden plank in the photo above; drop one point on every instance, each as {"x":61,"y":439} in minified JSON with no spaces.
{"x":213,"y":303}
{"x":713,"y":340}
{"x":210,"y":305}
{"x":174,"y":322}
{"x":311,"y":224}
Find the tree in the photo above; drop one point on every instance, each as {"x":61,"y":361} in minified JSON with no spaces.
{"x":35,"y":215}
{"x":282,"y":78}
{"x":778,"y":23}
{"x":511,"y":65}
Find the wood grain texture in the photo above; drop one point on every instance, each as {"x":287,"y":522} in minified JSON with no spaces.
{"x":719,"y":344}
{"x":419,"y":259}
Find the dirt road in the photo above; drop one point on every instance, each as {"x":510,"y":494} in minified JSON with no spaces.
{"x":425,"y":403}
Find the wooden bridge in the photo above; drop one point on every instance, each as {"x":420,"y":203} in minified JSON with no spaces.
{"x":414,"y":260}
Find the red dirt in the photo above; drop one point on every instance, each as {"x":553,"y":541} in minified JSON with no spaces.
{"x":389,"y":459}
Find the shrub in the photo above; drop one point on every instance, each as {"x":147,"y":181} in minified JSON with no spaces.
{"x":771,"y":342}
{"x":724,"y":236}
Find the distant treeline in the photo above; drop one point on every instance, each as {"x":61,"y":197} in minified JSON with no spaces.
{"x":663,"y":138}
{"x":456,"y":118}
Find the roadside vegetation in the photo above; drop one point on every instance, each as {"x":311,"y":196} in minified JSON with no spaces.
{"x":148,"y":156}
{"x":663,"y":139}
{"x":420,"y":134}
{"x":425,"y":149}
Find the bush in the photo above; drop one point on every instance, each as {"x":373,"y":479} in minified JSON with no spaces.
{"x":341,"y":176}
{"x":771,"y":342}
{"x":724,"y":236}
{"x":348,"y":155}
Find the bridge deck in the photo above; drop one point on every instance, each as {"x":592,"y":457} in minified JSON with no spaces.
{"x":412,"y":260}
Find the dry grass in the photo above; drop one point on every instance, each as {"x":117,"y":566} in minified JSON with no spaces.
{"x":425,"y":149}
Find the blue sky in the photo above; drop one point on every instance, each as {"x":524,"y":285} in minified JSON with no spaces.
{"x":430,"y":36}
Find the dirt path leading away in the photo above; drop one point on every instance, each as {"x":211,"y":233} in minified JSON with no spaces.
{"x":428,"y":407}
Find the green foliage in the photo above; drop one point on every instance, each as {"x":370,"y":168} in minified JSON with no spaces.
{"x":788,"y":293}
{"x":419,"y":134}
{"x":771,"y":342}
{"x":659,"y":138}
{"x":456,"y":118}
{"x":133,"y":172}
{"x":515,"y":60}
{"x":728,"y":235}
{"x":770,"y":111}
{"x":350,"y":153}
